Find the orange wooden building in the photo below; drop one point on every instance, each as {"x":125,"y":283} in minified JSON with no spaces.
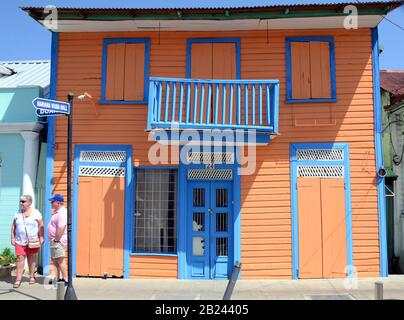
{"x":291,"y":82}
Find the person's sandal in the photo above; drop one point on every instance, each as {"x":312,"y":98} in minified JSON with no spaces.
{"x":17,"y":284}
{"x":32,"y":280}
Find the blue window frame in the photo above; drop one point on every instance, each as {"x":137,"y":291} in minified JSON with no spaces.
{"x":155,"y":215}
{"x":190,"y":42}
{"x":110,"y":41}
{"x":289,"y":84}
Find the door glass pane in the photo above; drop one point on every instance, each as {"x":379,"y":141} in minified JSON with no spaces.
{"x":198,"y":222}
{"x":221,"y":222}
{"x":221,"y":247}
{"x":198,"y":246}
{"x":198,"y":197}
{"x":221,"y":198}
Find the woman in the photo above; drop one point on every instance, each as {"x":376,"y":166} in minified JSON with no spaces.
{"x":27,"y":225}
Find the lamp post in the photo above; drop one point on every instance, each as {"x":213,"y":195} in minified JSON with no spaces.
{"x":70,"y":293}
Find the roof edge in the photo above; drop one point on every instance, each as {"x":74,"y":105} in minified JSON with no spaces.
{"x":275,"y":5}
{"x":121,"y":14}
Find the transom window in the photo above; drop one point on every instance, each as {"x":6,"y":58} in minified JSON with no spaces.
{"x":156,"y":211}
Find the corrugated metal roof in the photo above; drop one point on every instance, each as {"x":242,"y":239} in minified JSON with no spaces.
{"x":206,"y":4}
{"x":28,"y":73}
{"x":392,"y":81}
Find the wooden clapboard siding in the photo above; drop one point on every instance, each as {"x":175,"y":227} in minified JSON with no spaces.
{"x":265,"y":196}
{"x":153,"y":267}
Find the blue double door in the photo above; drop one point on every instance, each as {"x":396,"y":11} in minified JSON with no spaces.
{"x":210,"y":229}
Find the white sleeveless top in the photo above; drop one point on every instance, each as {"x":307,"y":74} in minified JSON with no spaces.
{"x":31,"y":223}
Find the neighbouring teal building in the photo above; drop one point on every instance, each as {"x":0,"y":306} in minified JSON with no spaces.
{"x":22,"y":147}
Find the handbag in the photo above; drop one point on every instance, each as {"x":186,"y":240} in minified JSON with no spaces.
{"x":32,"y":243}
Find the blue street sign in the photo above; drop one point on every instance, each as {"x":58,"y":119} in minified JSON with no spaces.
{"x":48,"y":107}
{"x":47,"y":113}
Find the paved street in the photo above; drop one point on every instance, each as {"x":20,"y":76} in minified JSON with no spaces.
{"x":87,"y":288}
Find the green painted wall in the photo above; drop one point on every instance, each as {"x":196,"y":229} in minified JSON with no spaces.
{"x":387,"y":152}
{"x":16,"y":106}
{"x":12,"y":155}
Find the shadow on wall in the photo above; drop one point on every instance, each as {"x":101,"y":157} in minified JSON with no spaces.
{"x":265,"y":196}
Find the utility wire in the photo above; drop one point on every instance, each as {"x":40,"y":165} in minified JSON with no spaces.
{"x":385,"y":18}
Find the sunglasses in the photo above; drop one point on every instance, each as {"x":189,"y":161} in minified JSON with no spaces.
{"x":23,"y":201}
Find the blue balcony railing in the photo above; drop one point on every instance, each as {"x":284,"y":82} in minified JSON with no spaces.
{"x":213,"y":104}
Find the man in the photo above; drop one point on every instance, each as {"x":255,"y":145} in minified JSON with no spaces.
{"x":57,"y":234}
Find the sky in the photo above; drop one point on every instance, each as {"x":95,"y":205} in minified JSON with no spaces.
{"x":22,"y":38}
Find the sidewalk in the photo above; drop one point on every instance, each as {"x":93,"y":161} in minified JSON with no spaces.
{"x":95,"y":289}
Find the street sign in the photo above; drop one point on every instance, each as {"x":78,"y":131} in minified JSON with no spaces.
{"x":48,"y":107}
{"x":47,"y":113}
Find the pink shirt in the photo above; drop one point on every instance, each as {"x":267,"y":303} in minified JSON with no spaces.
{"x":58,"y":220}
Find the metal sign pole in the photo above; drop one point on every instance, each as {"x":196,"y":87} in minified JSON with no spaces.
{"x":70,"y":293}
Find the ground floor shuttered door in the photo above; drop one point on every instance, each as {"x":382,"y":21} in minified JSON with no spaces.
{"x":100,"y":226}
{"x":210,"y":238}
{"x":322,"y":227}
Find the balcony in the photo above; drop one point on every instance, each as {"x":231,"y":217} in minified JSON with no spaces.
{"x":213,"y":104}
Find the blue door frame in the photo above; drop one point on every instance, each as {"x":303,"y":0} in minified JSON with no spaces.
{"x":128,"y":216}
{"x":183,"y":187}
{"x":348,"y":204}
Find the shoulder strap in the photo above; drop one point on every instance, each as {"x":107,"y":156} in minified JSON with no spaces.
{"x":26,"y":232}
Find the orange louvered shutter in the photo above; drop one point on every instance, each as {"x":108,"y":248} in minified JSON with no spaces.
{"x":115,"y":72}
{"x":310,"y":69}
{"x":300,"y":54}
{"x":320,"y":69}
{"x":125,"y":72}
{"x":134,"y":72}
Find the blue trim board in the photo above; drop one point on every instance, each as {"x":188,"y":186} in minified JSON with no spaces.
{"x":50,"y":152}
{"x":294,"y":205}
{"x":247,"y":137}
{"x":181,"y":236}
{"x":108,"y":41}
{"x":381,"y":199}
{"x":236,"y":41}
{"x":237,"y":215}
{"x":153,"y":254}
{"x":129,"y":185}
{"x":289,"y":98}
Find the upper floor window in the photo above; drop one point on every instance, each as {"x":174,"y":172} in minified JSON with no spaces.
{"x":125,"y":71}
{"x":310,"y":68}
